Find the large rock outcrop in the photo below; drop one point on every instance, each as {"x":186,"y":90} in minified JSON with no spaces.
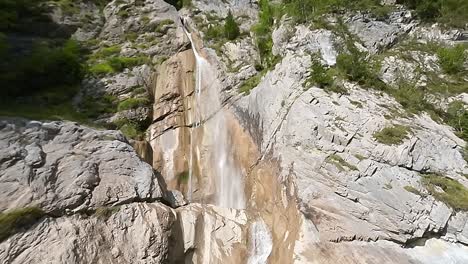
{"x":62,"y":166}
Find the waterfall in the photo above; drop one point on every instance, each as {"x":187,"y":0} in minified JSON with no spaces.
{"x":208,"y":116}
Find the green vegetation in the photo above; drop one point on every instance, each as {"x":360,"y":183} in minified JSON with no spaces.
{"x":41,"y":83}
{"x":44,"y":67}
{"x":320,"y":75}
{"x":183,"y":177}
{"x":303,"y":11}
{"x":413,"y":190}
{"x":359,"y":157}
{"x":132,"y":128}
{"x":251,"y":83}
{"x":161,"y":26}
{"x":392,"y":135}
{"x":19,"y":15}
{"x":231,"y":29}
{"x":132,"y":103}
{"x":17,"y":220}
{"x":179,"y":4}
{"x":106,"y":212}
{"x":451,"y":59}
{"x":447,"y":190}
{"x":457,"y":117}
{"x":263,"y":30}
{"x":117,"y":64}
{"x":449,"y":12}
{"x":340,"y":163}
{"x":93,"y":107}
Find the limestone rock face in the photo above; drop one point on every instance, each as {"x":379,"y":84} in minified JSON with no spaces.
{"x":377,"y":35}
{"x":61,"y":166}
{"x":137,"y":233}
{"x":361,"y":197}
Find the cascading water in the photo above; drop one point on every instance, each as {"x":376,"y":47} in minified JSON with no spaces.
{"x":218,"y":155}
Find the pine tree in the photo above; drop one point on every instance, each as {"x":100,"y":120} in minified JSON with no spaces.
{"x":231,"y":29}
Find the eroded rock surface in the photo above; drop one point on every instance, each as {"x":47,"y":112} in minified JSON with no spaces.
{"x":61,"y":166}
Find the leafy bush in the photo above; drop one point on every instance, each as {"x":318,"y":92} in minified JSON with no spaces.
{"x":101,"y":69}
{"x":452,"y":59}
{"x":320,"y":76}
{"x":94,"y":107}
{"x":16,"y":15}
{"x":451,"y":192}
{"x":43,"y":68}
{"x":132,"y":103}
{"x":231,"y":29}
{"x":457,"y":117}
{"x":392,"y":135}
{"x":16,"y":220}
{"x":117,"y":64}
{"x":303,"y":11}
{"x":132,"y":128}
{"x":251,"y":83}
{"x":263,"y":30}
{"x":450,"y":12}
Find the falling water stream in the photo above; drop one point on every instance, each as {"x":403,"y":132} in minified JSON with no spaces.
{"x":207,"y":114}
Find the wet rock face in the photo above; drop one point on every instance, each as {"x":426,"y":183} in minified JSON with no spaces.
{"x":61,"y":166}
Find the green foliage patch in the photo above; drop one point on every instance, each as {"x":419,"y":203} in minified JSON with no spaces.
{"x":132,"y":103}
{"x":447,"y":190}
{"x":340,"y":163}
{"x":393,"y":135}
{"x":451,"y":59}
{"x":449,"y":12}
{"x":14,"y":221}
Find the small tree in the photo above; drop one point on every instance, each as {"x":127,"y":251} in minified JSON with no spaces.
{"x":231,"y":29}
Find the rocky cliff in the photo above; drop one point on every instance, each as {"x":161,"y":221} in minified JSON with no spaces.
{"x":347,"y":129}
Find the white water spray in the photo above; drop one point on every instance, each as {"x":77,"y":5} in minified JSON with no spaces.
{"x":216,"y":143}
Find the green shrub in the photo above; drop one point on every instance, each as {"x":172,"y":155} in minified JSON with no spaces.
{"x":44,"y":67}
{"x":101,"y":69}
{"x":451,"y":192}
{"x":123,"y":13}
{"x":413,"y":190}
{"x":410,"y":97}
{"x":117,"y":64}
{"x":132,"y":128}
{"x":263,"y":30}
{"x":320,"y":76}
{"x":132,"y":103}
{"x":161,"y":26}
{"x":214,"y":32}
{"x":251,"y":83}
{"x":452,"y":59}
{"x":340,"y":163}
{"x":457,"y":117}
{"x":231,"y":29}
{"x":392,"y":135}
{"x":450,"y":12}
{"x":93,"y":107}
{"x":106,"y":212}
{"x":17,"y":220}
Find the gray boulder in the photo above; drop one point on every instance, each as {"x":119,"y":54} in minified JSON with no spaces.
{"x":61,"y":166}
